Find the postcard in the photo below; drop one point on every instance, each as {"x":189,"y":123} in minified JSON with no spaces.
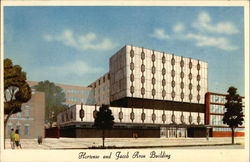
{"x":124,"y":81}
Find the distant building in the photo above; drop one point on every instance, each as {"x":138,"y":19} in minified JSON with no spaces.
{"x":75,"y":94}
{"x":29,"y":122}
{"x":214,"y":114}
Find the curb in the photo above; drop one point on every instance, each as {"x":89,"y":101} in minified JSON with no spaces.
{"x":142,"y":147}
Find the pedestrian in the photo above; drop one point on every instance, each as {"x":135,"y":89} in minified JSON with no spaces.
{"x":17,"y":140}
{"x":39,"y":140}
{"x":12,"y":139}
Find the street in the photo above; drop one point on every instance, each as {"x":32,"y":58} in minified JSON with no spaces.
{"x":127,"y":143}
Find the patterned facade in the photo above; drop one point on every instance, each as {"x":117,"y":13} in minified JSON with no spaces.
{"x":215,"y":110}
{"x":142,"y":73}
{"x":123,"y":115}
{"x":172,"y":123}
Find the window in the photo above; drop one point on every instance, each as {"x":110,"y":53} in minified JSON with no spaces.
{"x":216,"y":109}
{"x":27,"y":114}
{"x":217,"y":99}
{"x":211,"y":108}
{"x":19,"y":115}
{"x":26,"y":129}
{"x":27,"y":106}
{"x":211,"y":98}
{"x":9,"y":127}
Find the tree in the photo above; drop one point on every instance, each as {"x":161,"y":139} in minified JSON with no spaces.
{"x":104,"y":120}
{"x":54,"y":98}
{"x":233,"y":116}
{"x":16,"y":90}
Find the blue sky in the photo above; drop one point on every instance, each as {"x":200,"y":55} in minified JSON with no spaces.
{"x":72,"y":45}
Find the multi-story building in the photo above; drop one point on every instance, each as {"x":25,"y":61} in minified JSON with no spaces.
{"x":74,"y":94}
{"x":152,"y":94}
{"x":143,"y":74}
{"x":101,"y":88}
{"x":148,"y":91}
{"x":215,"y":110}
{"x":29,"y":122}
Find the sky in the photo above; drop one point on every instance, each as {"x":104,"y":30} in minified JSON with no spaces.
{"x":72,"y":45}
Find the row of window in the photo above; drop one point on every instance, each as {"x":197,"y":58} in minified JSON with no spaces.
{"x":173,"y":61}
{"x":74,"y":91}
{"x":84,"y":100}
{"x":104,"y":88}
{"x":19,"y":115}
{"x":76,"y":99}
{"x":103,"y":79}
{"x":217,"y":108}
{"x":67,"y":116}
{"x":218,"y":99}
{"x":216,"y":120}
{"x":25,"y":131}
{"x":240,"y":129}
{"x":173,"y":73}
{"x":173,"y":93}
{"x":228,"y":129}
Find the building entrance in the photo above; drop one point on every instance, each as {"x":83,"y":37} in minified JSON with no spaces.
{"x":173,"y":132}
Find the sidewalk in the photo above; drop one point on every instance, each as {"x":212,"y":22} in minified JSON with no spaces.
{"x":85,"y":143}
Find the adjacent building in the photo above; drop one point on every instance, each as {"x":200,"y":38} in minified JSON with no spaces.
{"x":215,"y":110}
{"x":29,"y":122}
{"x":75,"y":94}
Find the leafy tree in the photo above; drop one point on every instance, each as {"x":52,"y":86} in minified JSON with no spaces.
{"x":16,"y":90}
{"x":233,"y":116}
{"x":54,"y":98}
{"x":104,"y":120}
